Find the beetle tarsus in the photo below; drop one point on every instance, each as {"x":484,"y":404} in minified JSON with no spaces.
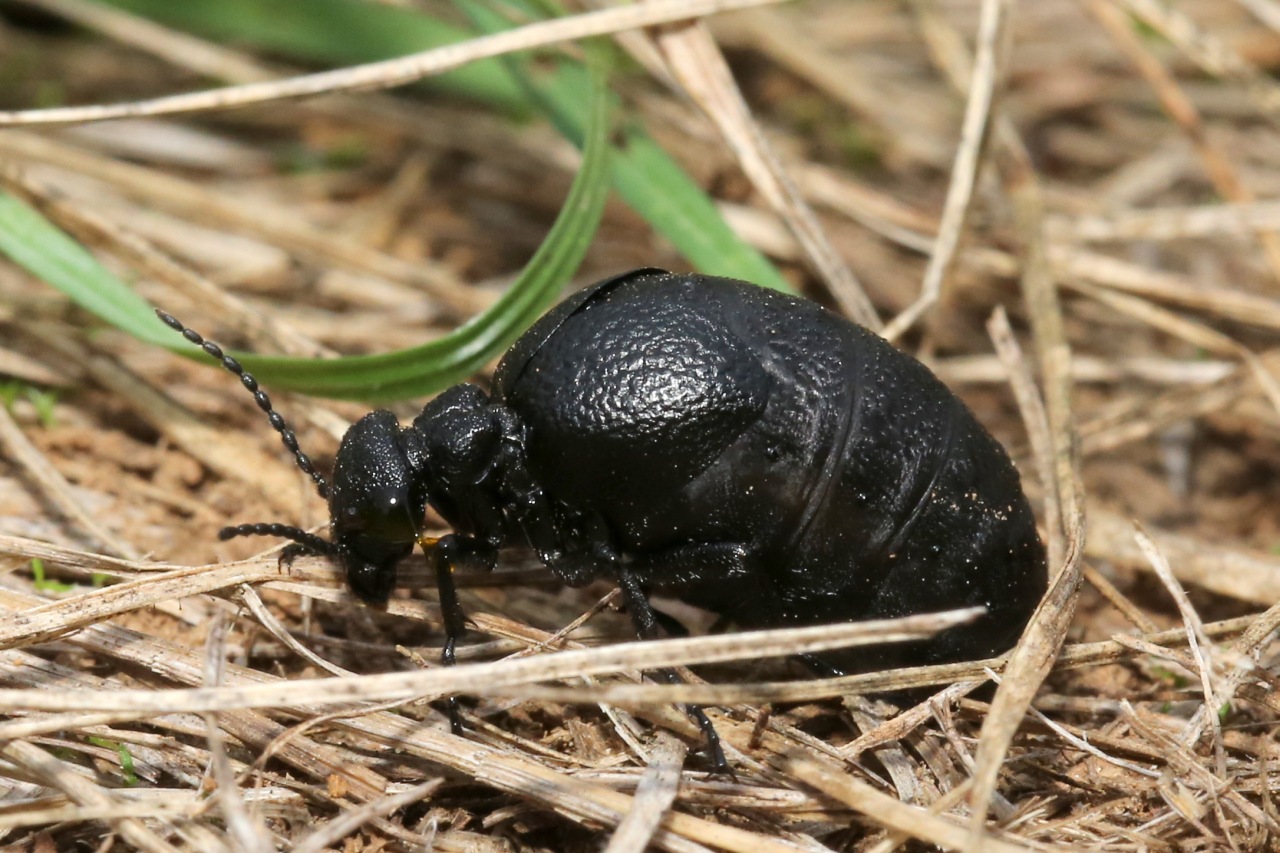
{"x":714,"y":749}
{"x":448,"y":658}
{"x":291,"y":552}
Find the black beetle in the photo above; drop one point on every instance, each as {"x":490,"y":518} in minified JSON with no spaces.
{"x":748,"y":452}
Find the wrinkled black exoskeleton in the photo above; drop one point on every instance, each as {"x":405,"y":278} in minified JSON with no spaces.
{"x":748,"y":452}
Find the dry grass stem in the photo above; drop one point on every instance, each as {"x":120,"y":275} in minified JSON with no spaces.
{"x":478,"y":678}
{"x":697,"y":63}
{"x":654,"y":795}
{"x":1267,"y":11}
{"x":1069,"y":207}
{"x":206,"y":204}
{"x":54,"y":486}
{"x":1213,"y":55}
{"x":980,"y":79}
{"x":1218,"y":166}
{"x":95,"y":231}
{"x":880,"y":808}
{"x":353,"y":819}
{"x":395,"y":72}
{"x":177,"y":49}
{"x":1034,"y":417}
{"x":1197,"y":643}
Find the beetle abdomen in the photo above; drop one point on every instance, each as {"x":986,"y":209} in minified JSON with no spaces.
{"x":908,"y":504}
{"x":689,"y":410}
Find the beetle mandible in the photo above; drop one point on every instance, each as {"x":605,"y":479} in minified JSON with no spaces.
{"x":748,"y":452}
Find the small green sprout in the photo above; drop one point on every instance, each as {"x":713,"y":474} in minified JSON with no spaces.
{"x":43,"y":401}
{"x":1174,"y":679}
{"x":126,"y":758}
{"x":44,"y":584}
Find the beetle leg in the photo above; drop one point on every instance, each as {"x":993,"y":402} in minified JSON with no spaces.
{"x":715,"y":575}
{"x":525,"y":502}
{"x":646,"y":624}
{"x":521,"y":496}
{"x":291,"y":552}
{"x":699,"y":562}
{"x":451,"y":551}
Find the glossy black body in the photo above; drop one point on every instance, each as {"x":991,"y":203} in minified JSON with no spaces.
{"x":745,"y":451}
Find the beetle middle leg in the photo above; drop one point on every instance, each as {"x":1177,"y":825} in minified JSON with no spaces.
{"x":646,"y":624}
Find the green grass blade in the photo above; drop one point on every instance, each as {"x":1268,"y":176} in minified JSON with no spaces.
{"x":432,"y":366}
{"x":657,"y":188}
{"x":47,"y":253}
{"x":651,"y":182}
{"x":34,"y":244}
{"x":345,"y":31}
{"x":336,"y":32}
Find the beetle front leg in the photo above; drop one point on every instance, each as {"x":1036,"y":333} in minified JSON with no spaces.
{"x":450,"y":552}
{"x":525,"y":502}
{"x":645,"y":620}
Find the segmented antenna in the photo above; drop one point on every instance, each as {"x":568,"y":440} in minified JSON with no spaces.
{"x":306,"y":542}
{"x":260,"y":397}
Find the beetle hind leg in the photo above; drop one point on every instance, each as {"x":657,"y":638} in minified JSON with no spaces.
{"x":647,"y":625}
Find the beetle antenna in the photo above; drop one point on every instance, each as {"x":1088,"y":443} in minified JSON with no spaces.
{"x":287,"y":436}
{"x":308,"y":541}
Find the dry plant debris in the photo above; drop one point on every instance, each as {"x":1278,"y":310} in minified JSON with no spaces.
{"x":1065,"y":205}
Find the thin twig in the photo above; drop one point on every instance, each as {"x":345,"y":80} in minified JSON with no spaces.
{"x":394,"y":72}
{"x":982,"y":84}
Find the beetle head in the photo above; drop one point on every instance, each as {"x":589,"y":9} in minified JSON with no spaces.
{"x":383,"y":477}
{"x":376,"y":503}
